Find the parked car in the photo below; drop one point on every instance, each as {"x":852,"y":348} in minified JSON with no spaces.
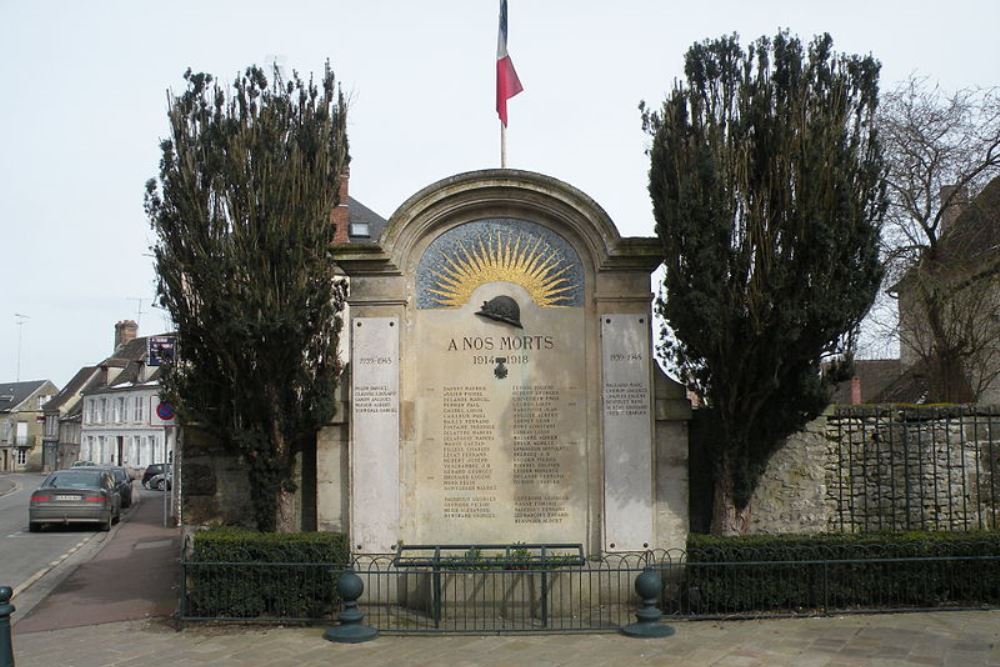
{"x":152,"y":470}
{"x":163,"y":481}
{"x":123,"y":481}
{"x":77,"y":495}
{"x":81,"y":464}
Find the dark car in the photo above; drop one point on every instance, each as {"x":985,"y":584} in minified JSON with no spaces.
{"x":152,"y":470}
{"x":123,"y":481}
{"x":163,"y":481}
{"x":78,"y":495}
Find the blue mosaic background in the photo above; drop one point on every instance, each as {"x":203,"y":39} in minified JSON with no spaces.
{"x":468,"y":234}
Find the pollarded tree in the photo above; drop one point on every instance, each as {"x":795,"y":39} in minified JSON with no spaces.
{"x":766,"y":178}
{"x":245,"y":267}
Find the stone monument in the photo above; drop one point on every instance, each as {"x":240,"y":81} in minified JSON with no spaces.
{"x":502,"y":381}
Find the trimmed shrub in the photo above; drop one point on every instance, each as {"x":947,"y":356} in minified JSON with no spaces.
{"x":803,"y":573}
{"x":236,"y":573}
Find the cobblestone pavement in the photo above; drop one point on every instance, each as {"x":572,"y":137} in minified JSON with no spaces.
{"x":960,"y":639}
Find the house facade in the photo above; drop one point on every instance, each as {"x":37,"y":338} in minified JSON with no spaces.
{"x":61,"y":437}
{"x":112,"y":413}
{"x":120,"y":425}
{"x":22,"y":406}
{"x":953,"y":350}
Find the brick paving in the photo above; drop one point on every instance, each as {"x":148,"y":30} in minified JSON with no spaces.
{"x":946,"y":639}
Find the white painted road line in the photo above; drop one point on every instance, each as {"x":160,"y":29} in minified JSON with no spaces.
{"x":20,"y":588}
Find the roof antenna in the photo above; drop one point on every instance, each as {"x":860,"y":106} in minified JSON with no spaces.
{"x":138,"y":312}
{"x":20,"y":324}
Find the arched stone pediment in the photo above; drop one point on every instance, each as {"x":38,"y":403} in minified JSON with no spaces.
{"x":503,"y":193}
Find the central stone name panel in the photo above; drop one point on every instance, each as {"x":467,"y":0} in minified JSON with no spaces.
{"x":502,"y":421}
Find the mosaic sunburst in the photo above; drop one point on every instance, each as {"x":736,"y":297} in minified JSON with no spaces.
{"x":538,"y":268}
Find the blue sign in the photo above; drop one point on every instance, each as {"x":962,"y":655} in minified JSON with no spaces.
{"x":160,"y":350}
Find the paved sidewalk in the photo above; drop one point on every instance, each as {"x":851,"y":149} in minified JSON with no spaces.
{"x":959,"y":639}
{"x":132,"y":577}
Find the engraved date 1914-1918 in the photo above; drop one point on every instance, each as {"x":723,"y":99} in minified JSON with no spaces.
{"x":489,"y":360}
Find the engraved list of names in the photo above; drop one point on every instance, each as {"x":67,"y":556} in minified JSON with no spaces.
{"x":502,"y":434}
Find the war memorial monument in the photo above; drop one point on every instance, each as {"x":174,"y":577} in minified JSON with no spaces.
{"x":502,"y":381}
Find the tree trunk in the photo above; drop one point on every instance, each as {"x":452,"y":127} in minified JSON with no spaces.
{"x":285,"y":516}
{"x":285,"y":519}
{"x":727,"y":518}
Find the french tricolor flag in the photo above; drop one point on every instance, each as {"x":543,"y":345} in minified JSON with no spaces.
{"x":508,"y":85}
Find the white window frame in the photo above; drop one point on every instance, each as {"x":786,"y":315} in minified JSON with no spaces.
{"x":21,"y":456}
{"x":139,"y":414}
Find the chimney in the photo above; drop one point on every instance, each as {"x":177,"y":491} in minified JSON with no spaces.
{"x":339,"y":216}
{"x":125,"y":331}
{"x":951,"y":210}
{"x":855,"y":390}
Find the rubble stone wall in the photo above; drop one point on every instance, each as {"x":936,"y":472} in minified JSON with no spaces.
{"x":884,"y":468}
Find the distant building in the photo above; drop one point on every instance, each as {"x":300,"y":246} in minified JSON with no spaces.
{"x":963,"y":271}
{"x":353,"y":221}
{"x":61,"y":439}
{"x":869,"y":382}
{"x":121,"y":418}
{"x":21,"y":416}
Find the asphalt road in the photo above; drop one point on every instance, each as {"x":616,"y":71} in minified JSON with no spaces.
{"x":24,"y":554}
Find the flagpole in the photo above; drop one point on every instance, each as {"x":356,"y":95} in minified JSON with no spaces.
{"x":503,"y":146}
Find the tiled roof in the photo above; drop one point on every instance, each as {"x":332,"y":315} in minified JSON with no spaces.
{"x":359,"y":213}
{"x":875,"y":375}
{"x":912,"y":386}
{"x":129,"y":357}
{"x":13,"y":394}
{"x":976,"y":231}
{"x":72,"y":388}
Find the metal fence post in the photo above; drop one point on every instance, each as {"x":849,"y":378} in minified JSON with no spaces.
{"x":351,"y":629}
{"x":648,"y":586}
{"x":6,"y":644}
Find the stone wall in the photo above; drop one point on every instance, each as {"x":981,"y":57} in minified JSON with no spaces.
{"x":213,"y":483}
{"x":909,"y":469}
{"x":884,"y":468}
{"x":792,"y":495}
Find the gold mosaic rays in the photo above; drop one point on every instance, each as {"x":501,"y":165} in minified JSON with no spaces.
{"x":538,"y":269}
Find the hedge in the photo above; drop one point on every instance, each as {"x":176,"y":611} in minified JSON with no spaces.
{"x":235,"y":573}
{"x":803,"y":573}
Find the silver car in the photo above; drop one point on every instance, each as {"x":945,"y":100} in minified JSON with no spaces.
{"x":78,"y":495}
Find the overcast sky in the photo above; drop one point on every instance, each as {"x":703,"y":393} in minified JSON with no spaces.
{"x":83,"y":110}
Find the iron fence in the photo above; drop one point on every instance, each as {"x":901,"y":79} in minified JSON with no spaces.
{"x":915,"y":468}
{"x":595,"y":596}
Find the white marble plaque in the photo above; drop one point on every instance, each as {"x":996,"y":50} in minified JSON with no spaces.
{"x":375,"y":429}
{"x":627,"y":406}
